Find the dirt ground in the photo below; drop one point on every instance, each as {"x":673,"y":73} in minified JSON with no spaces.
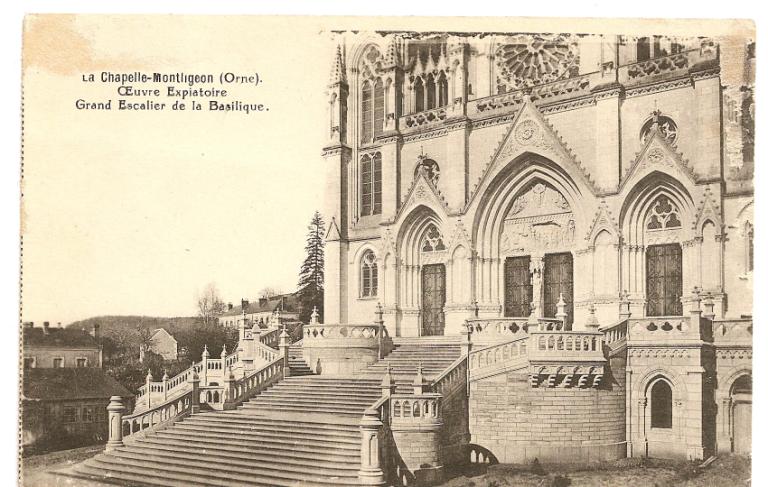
{"x":726,"y":471}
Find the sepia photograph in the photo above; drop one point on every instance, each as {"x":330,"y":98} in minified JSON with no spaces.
{"x":329,"y":251}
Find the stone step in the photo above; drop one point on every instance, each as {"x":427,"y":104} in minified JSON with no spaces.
{"x":341,"y":433}
{"x":320,"y":396}
{"x":238,"y":416}
{"x":301,"y":450}
{"x":201,"y":475}
{"x":317,"y":409}
{"x":236,"y":464}
{"x":256,"y":440}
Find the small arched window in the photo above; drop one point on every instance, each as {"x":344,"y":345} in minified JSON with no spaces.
{"x":418,"y":88}
{"x":369,"y":275}
{"x":430,"y":92}
{"x":661,"y":405}
{"x":442,"y":89}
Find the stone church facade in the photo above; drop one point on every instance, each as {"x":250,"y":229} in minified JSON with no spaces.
{"x":602,"y":182}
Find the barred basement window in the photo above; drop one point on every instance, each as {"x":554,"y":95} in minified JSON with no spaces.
{"x":70,"y":415}
{"x":370,"y":184}
{"x":369,"y":275}
{"x":88,"y":414}
{"x":661,"y":405}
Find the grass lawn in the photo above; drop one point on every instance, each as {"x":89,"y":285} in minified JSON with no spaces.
{"x":725,"y":471}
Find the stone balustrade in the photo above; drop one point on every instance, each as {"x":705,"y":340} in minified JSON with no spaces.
{"x":452,"y":379}
{"x":494,"y":330}
{"x":422,"y":409}
{"x":666,"y":329}
{"x":502,"y":356}
{"x":674,"y":64}
{"x":565,"y":345}
{"x":423,"y":119}
{"x":270,"y":337}
{"x":344,"y":331}
{"x":732,"y":332}
{"x":615,"y":335}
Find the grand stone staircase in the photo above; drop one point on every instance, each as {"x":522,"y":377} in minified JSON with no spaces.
{"x":305,"y":430}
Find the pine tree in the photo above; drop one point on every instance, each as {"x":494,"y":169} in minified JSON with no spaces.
{"x":311,"y":276}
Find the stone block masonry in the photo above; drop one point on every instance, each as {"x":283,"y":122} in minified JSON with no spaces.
{"x":517,"y":422}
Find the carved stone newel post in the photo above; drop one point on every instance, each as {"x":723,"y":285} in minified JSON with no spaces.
{"x":370,"y":472}
{"x":115,"y":411}
{"x":194,"y":380}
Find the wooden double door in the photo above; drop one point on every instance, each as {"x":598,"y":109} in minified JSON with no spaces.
{"x":664,"y":280}
{"x":557,"y":279}
{"x":433,"y":299}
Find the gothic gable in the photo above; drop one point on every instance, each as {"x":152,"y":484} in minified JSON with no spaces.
{"x":708,"y":209}
{"x":422,"y":192}
{"x":658,"y":155}
{"x":530,"y":132}
{"x":603,"y":220}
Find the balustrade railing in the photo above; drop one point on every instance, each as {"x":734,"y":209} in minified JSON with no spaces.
{"x":565,"y":345}
{"x":656,"y":328}
{"x":483,"y":330}
{"x":172,"y":410}
{"x":732,"y":331}
{"x":422,"y":119}
{"x":500,"y":355}
{"x":331,"y":331}
{"x":270,"y":337}
{"x":679,"y":62}
{"x":616,"y":334}
{"x":452,"y":378}
{"x":415,"y":408}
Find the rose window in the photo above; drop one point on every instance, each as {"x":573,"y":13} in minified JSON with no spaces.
{"x":430,"y":168}
{"x":667,"y":129}
{"x":528,"y":60}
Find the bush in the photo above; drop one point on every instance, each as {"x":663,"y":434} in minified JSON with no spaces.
{"x":536,"y":468}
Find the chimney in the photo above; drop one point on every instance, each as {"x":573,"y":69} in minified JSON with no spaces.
{"x":229,"y":306}
{"x":29,"y":324}
{"x":58,"y":325}
{"x":46,"y":327}
{"x":95,"y":332}
{"x":263,"y":302}
{"x":244,"y":304}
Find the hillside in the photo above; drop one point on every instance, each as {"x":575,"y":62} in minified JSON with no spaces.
{"x":111,"y":325}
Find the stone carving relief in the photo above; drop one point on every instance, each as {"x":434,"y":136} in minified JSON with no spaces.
{"x":539,"y":219}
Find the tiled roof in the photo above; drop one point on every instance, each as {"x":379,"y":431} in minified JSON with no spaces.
{"x":58,"y":337}
{"x":288,"y":305}
{"x":70,"y":384}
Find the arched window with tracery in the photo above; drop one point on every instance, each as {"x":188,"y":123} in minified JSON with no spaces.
{"x":433,"y":240}
{"x":661,"y":404}
{"x":430,"y":92}
{"x":371,"y":95}
{"x":663,"y":215}
{"x":442,"y":90}
{"x":370,"y":184}
{"x":369,"y":275}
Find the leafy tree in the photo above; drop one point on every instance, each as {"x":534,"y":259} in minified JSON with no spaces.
{"x":311,"y":276}
{"x":209,"y":304}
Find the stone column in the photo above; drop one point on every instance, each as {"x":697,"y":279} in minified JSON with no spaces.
{"x":592,"y":323}
{"x":537,"y":273}
{"x":165,"y":385}
{"x":284,"y":345}
{"x":230,"y":392}
{"x":380,"y":325}
{"x":709,"y":308}
{"x":387,"y":383}
{"x":115,"y":412}
{"x":194,"y":380}
{"x":206,"y":354}
{"x":370,"y":472}
{"x":148,"y":383}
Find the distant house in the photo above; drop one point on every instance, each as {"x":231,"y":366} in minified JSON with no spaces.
{"x":57,"y":347}
{"x":162,"y":343}
{"x":65,"y":391}
{"x":262,"y":311}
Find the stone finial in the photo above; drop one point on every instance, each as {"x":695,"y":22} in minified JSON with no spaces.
{"x":391,"y":54}
{"x":709,"y":307}
{"x":561,"y":314}
{"x":387,"y":380}
{"x":696,"y":299}
{"x":419,"y":383}
{"x":149,"y":375}
{"x":194,"y":377}
{"x":338,"y":70}
{"x":206,"y":353}
{"x":165,"y":375}
{"x":592,"y":321}
{"x":224,"y":351}
{"x":532,"y":319}
{"x":624,"y":311}
{"x":314,"y":318}
{"x":379,"y":314}
{"x":277,"y":317}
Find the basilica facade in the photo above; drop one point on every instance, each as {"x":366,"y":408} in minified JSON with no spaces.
{"x":531,"y":177}
{"x":503,"y":172}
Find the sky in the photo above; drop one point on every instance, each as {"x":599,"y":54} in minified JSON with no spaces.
{"x":135,"y":212}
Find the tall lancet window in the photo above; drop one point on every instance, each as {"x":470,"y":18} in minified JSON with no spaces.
{"x":371,"y":95}
{"x":369,"y":275}
{"x":370,"y":184}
